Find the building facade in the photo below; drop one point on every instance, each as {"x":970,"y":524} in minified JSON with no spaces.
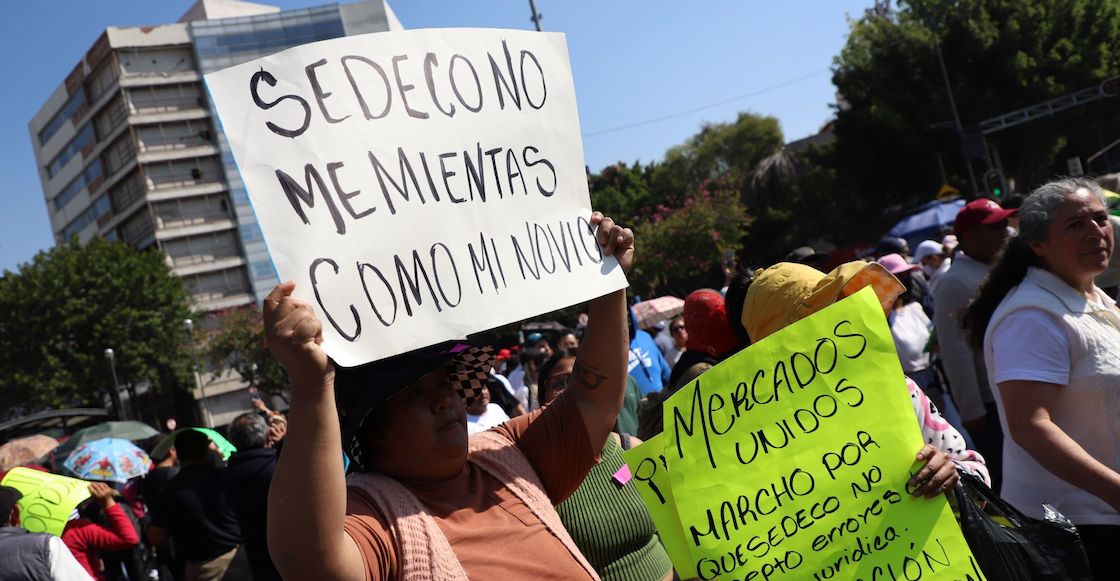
{"x":129,"y":148}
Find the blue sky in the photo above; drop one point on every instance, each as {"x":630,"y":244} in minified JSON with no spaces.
{"x":647,"y":74}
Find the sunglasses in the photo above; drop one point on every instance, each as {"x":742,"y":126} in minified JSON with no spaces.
{"x":675,"y":328}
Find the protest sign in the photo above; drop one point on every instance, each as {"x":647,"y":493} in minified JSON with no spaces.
{"x":651,"y":475}
{"x":48,"y":499}
{"x":790,"y":460}
{"x":418,"y":186}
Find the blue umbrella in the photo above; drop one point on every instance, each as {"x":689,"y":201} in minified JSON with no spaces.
{"x":108,"y":460}
{"x":927,"y":221}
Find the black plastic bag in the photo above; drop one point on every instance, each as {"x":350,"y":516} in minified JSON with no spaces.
{"x":1010,"y":546}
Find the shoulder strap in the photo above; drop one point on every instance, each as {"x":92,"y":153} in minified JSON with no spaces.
{"x":423,"y":551}
{"x":500,"y":457}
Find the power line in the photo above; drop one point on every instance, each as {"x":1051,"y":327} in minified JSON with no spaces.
{"x":708,"y":106}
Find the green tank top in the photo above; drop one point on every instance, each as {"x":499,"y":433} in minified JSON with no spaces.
{"x":610,"y":525}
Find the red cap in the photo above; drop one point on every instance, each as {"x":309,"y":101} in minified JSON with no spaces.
{"x":705,"y":317}
{"x":982,"y":211}
{"x":503,"y":354}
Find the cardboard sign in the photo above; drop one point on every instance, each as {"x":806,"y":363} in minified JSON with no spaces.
{"x":790,"y":460}
{"x":48,"y":499}
{"x":418,"y":186}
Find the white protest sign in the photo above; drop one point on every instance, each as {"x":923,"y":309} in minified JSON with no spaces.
{"x":418,"y":186}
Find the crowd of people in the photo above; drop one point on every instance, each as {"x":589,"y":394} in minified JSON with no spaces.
{"x":460,"y":460}
{"x":194,"y":514}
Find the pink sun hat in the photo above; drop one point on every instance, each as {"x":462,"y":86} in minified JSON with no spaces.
{"x":896,"y":264}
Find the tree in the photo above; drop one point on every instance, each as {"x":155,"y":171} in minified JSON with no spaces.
{"x":238,"y":343}
{"x":894,"y":121}
{"x":683,"y":248}
{"x":60,"y":312}
{"x":622,"y":192}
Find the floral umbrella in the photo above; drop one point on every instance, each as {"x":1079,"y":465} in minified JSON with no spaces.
{"x":23,"y":450}
{"x":653,"y":311}
{"x":108,"y":460}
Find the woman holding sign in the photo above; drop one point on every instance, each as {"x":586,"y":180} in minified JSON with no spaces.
{"x":787,"y":292}
{"x":1051,"y":341}
{"x":428,"y":502}
{"x":605,"y":516}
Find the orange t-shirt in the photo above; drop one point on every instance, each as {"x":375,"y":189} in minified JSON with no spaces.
{"x":492,"y":532}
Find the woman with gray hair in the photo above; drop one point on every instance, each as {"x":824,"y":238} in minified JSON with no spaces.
{"x":1051,"y":341}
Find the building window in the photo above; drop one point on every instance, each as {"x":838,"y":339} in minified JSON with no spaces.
{"x":95,"y":211}
{"x":68,"y":110}
{"x":263,"y":269}
{"x":84,"y":137}
{"x":75,"y":187}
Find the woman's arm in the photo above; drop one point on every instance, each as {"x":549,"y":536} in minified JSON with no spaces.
{"x":120,"y":534}
{"x":1027,"y":405}
{"x":599,"y":376}
{"x":307,"y":498}
{"x":944,"y":437}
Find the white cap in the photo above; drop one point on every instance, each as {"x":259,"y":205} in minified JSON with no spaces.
{"x":928,"y":248}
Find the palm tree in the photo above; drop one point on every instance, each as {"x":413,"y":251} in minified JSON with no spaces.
{"x":772,"y":177}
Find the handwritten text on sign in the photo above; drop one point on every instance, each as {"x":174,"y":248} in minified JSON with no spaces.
{"x":790,"y":460}
{"x":48,"y":499}
{"x":418,"y":186}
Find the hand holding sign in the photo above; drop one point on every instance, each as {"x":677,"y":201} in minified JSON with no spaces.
{"x":294,"y":335}
{"x":615,"y":240}
{"x":103,"y":493}
{"x":937,"y":476}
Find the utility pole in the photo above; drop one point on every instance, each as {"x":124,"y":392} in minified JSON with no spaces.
{"x":956,"y":116}
{"x":536,"y":17}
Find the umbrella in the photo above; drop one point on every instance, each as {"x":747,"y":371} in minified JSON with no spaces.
{"x":224,"y":446}
{"x":127,"y":430}
{"x":109,"y":460}
{"x":927,"y":221}
{"x":23,"y":450}
{"x":654,"y":311}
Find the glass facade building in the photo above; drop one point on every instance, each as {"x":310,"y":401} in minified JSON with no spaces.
{"x":227,"y":42}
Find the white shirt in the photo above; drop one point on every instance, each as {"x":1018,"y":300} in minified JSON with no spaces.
{"x":911,"y":330}
{"x":64,"y":567}
{"x":1046,"y":331}
{"x":493,"y":416}
{"x":968,"y":378}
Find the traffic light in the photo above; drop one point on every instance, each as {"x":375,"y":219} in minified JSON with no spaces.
{"x":993,"y":181}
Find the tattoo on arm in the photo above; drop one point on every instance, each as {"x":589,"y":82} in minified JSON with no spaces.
{"x":587,"y":376}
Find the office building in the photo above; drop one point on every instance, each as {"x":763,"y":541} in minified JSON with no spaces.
{"x":129,"y":148}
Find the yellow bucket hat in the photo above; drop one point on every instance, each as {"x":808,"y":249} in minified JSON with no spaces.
{"x":787,"y":292}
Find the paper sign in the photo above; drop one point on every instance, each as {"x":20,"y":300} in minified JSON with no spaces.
{"x":48,"y":499}
{"x":790,"y":460}
{"x":650,"y":474}
{"x":418,"y":186}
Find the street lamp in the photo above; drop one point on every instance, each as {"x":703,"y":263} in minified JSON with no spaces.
{"x":208,"y":419}
{"x":115,"y":395}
